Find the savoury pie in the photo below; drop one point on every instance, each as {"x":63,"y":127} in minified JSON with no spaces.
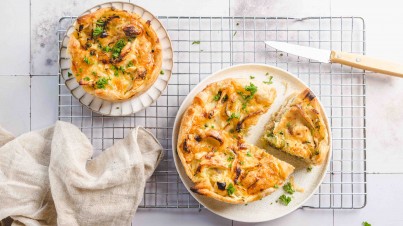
{"x":115,"y":54}
{"x":212,"y":148}
{"x":299,"y":129}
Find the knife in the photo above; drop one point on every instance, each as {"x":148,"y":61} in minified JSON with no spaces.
{"x":349,"y":59}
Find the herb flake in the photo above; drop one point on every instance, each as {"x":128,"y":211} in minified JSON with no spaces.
{"x":232,"y":116}
{"x":231,"y":189}
{"x":285,"y":200}
{"x":288,"y":188}
{"x":102,"y":82}
{"x":270,"y":81}
{"x":196,"y":43}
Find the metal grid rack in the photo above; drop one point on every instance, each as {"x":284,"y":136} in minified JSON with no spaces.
{"x":226,"y":41}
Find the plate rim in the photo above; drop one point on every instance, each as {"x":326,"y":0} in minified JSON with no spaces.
{"x":175,"y":131}
{"x":131,"y":99}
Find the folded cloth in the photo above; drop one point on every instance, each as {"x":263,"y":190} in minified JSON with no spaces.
{"x":47,"y":177}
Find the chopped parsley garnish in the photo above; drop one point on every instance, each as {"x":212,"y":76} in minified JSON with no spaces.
{"x":102,"y":82}
{"x":117,"y":48}
{"x":205,"y":125}
{"x":244,"y":106}
{"x":122,"y":69}
{"x":230,"y":165}
{"x":276,"y":186}
{"x":162,"y":72}
{"x":212,"y":126}
{"x":251,"y":88}
{"x":130,"y":64}
{"x":288,"y":188}
{"x":269,"y":82}
{"x":86,"y":60}
{"x":284,"y":200}
{"x":231,"y":189}
{"x":115,"y":70}
{"x":248,"y":154}
{"x":80,"y":70}
{"x":106,"y":49}
{"x":267,"y":73}
{"x":100,"y":23}
{"x":252,"y":77}
{"x":87,"y":78}
{"x":230,"y":158}
{"x":281,"y":133}
{"x":94,"y":73}
{"x":235,"y":33}
{"x":288,"y":124}
{"x":97,"y":31}
{"x":195,"y":42}
{"x":232,"y":116}
{"x":69,"y":74}
{"x":217,"y":96}
{"x":366,"y":223}
{"x":309,"y":169}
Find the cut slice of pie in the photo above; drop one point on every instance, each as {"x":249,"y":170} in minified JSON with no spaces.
{"x":298,"y":128}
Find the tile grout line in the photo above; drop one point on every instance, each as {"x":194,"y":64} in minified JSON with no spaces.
{"x":30,"y":65}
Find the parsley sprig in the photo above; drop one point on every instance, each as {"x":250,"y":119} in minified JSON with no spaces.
{"x":102,"y":82}
{"x":117,"y":48}
{"x":232,"y":116}
{"x":231,"y":189}
{"x":285,"y":200}
{"x":288,"y":188}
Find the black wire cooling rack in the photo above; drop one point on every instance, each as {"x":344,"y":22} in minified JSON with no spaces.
{"x":226,"y":41}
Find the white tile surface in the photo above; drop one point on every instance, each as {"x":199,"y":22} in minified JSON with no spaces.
{"x":44,"y":101}
{"x":14,"y":21}
{"x":186,"y":8}
{"x":384,"y":93}
{"x":15,"y":103}
{"x":384,"y":203}
{"x":178,"y":217}
{"x":288,"y":8}
{"x":309,"y":217}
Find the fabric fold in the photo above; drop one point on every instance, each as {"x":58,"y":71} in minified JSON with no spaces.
{"x":47,"y":177}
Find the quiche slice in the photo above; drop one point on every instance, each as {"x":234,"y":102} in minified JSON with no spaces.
{"x":211,"y":143}
{"x":115,"y":55}
{"x":298,"y":128}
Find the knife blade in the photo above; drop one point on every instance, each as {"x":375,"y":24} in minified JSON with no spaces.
{"x":332,"y":56}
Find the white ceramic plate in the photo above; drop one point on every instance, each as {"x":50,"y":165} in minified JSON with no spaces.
{"x":267,"y":208}
{"x":134,"y":104}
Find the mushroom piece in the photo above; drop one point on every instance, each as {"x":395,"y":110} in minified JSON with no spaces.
{"x":131,"y":31}
{"x":141,"y":72}
{"x":221,"y":185}
{"x":239,"y":125}
{"x":214,"y":134}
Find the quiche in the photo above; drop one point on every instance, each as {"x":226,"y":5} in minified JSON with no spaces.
{"x":115,"y":55}
{"x":212,"y":148}
{"x":299,"y":129}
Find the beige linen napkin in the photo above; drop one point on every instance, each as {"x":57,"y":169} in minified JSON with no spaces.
{"x":46,"y":177}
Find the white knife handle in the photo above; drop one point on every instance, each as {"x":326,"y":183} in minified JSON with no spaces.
{"x":367,"y":63}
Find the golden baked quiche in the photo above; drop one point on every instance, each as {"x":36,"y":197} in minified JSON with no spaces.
{"x":212,"y":148}
{"x":115,"y":54}
{"x":299,"y":129}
